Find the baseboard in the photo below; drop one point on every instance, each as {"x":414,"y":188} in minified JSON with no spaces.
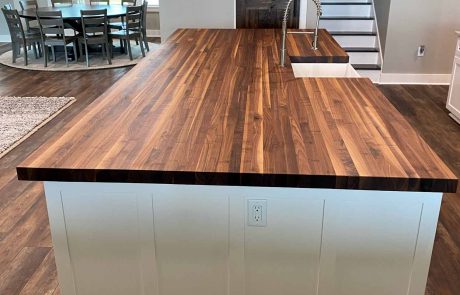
{"x":5,"y":38}
{"x":153,"y":33}
{"x":430,"y":79}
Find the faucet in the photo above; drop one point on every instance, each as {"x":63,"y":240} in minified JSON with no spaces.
{"x":319,"y":13}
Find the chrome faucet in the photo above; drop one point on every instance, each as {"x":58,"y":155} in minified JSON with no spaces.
{"x":319,"y":13}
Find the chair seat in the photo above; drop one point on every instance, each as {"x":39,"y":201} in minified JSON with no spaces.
{"x":59,"y":41}
{"x":117,"y":25}
{"x":123,"y":33}
{"x":93,"y":39}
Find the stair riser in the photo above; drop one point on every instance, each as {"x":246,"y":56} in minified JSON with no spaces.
{"x":356,"y":41}
{"x":347,"y":10}
{"x":364,"y":57}
{"x":348,"y":25}
{"x":374,"y":75}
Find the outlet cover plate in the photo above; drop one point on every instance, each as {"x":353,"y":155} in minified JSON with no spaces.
{"x":257,"y":213}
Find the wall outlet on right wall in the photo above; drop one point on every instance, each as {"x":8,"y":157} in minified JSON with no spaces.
{"x":421,"y":51}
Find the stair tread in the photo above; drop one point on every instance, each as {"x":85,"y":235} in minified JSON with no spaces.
{"x":361,"y":49}
{"x":347,"y":18}
{"x":352,"y":33}
{"x":346,"y":3}
{"x":366,"y":67}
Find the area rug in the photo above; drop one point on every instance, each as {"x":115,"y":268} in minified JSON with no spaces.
{"x":20,"y":117}
{"x":97,"y":61}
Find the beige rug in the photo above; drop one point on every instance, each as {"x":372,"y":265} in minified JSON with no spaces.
{"x":20,"y":117}
{"x":96,"y":60}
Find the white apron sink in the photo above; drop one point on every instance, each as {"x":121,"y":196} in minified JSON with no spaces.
{"x":324,"y":70}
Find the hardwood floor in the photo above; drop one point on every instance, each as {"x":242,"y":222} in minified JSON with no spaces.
{"x":26,"y":257}
{"x":424,"y":107}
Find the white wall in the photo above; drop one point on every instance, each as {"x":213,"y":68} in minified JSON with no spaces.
{"x":421,"y":22}
{"x":195,"y":14}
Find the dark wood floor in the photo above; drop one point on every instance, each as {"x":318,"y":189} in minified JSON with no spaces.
{"x":26,"y":256}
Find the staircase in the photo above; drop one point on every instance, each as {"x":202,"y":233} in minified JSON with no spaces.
{"x":352,"y":23}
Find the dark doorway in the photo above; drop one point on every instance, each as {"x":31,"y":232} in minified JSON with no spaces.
{"x":265,"y":13}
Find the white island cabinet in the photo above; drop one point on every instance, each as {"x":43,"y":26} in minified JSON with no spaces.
{"x":157,"y":239}
{"x":453,"y":102}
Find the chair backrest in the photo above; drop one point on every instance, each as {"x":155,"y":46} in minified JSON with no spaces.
{"x":8,"y":6}
{"x":128,"y":2}
{"x":133,"y":18}
{"x":94,"y":22}
{"x":14,"y":23}
{"x":55,"y":3}
{"x":99,"y":2}
{"x":28,"y":4}
{"x":51,"y":24}
{"x":145,"y":6}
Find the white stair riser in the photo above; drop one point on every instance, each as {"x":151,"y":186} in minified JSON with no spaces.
{"x":374,"y":75}
{"x":364,"y":57}
{"x":348,"y":25}
{"x":356,"y":41}
{"x":347,"y":10}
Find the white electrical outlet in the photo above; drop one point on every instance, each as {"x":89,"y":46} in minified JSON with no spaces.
{"x":257,"y":213}
{"x":421,"y":51}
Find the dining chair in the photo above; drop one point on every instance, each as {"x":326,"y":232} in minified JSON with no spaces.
{"x":145,"y":7}
{"x":53,"y":34}
{"x":95,"y":32}
{"x":31,"y":25}
{"x":121,"y":24}
{"x":99,"y":2}
{"x":19,"y":37}
{"x":57,"y":3}
{"x":132,"y":31}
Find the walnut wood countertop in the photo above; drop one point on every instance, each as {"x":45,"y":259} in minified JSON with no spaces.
{"x":213,"y":107}
{"x":299,"y":48}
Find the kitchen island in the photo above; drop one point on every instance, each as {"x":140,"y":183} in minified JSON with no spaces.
{"x":210,"y":169}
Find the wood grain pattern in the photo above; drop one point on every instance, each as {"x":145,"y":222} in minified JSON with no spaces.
{"x":422,"y":105}
{"x":299,"y":48}
{"x":213,"y":107}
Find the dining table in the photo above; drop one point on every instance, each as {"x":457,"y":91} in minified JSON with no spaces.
{"x":72,"y":12}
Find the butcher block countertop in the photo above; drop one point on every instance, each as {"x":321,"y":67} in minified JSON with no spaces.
{"x":299,"y":48}
{"x":213,"y":107}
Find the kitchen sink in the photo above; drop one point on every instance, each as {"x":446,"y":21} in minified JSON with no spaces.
{"x":324,"y":70}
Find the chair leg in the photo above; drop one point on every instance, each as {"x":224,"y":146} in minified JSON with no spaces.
{"x":65,"y":56}
{"x":146,"y":43}
{"x":34,"y":47}
{"x":45,"y":55}
{"x":108,"y":53}
{"x":24,"y":47}
{"x":53,"y":53}
{"x":129,"y":49}
{"x":75,"y":51}
{"x":80,"y":49}
{"x":86,"y":54}
{"x":142,"y":48}
{"x":39,"y":47}
{"x":13,"y":51}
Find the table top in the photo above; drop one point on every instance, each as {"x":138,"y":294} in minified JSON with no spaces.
{"x":72,"y":12}
{"x":213,"y":107}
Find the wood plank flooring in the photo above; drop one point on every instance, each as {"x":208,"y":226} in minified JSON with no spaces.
{"x":26,"y":257}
